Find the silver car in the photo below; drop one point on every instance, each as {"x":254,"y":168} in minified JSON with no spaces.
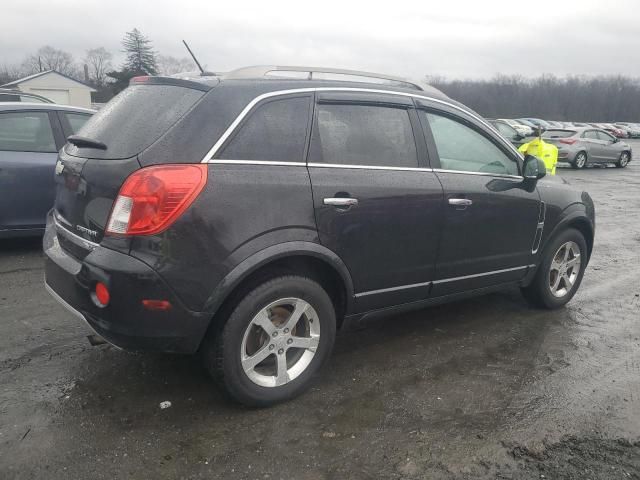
{"x":581,"y":146}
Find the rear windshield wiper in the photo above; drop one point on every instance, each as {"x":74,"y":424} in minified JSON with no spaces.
{"x":86,"y":142}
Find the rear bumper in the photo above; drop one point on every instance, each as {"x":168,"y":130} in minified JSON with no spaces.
{"x":124,"y":322}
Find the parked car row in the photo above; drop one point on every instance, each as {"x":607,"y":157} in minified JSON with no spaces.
{"x":527,"y":126}
{"x":579,"y":144}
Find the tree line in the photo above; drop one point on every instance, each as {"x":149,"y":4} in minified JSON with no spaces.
{"x":577,"y":98}
{"x":97,"y":67}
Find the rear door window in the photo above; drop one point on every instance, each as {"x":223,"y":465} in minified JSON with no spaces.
{"x":591,"y":135}
{"x":369,"y":135}
{"x":274,"y":131}
{"x":26,"y":132}
{"x":462,"y":148}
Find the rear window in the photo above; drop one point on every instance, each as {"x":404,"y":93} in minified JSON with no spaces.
{"x":134,"y":119}
{"x":558,"y":133}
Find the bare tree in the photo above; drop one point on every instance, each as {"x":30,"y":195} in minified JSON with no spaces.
{"x":168,"y":65}
{"x":99,"y":62}
{"x":49,"y":58}
{"x":9,"y":73}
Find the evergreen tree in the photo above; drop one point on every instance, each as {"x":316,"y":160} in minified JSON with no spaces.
{"x":140,"y":56}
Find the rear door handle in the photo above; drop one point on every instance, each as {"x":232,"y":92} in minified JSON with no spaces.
{"x":340,"y":202}
{"x":460,"y":202}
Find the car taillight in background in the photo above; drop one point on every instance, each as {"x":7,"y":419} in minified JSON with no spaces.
{"x":568,"y":141}
{"x":152,"y":198}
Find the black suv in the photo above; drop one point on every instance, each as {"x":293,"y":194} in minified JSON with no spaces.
{"x":247,"y":216}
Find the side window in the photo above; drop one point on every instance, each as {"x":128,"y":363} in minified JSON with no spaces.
{"x":605,"y":136}
{"x":26,"y":132}
{"x":349,"y":134}
{"x":506,"y":131}
{"x":590,"y":134}
{"x":76,"y":120}
{"x":464,"y":149}
{"x":275,"y":131}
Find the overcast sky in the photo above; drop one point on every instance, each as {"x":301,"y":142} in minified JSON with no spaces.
{"x":453,"y":38}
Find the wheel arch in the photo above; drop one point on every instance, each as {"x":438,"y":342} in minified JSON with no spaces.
{"x":305,"y":258}
{"x":581,"y":222}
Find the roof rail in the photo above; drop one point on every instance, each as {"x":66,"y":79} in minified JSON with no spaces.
{"x":264,"y":71}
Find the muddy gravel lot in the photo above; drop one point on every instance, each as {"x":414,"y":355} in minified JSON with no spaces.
{"x":485,"y":388}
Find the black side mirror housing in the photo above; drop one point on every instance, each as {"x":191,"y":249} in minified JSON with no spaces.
{"x":533,"y":168}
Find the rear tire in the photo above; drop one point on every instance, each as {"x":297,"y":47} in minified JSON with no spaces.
{"x":560,"y":271}
{"x":623,"y":161}
{"x":276,"y":338}
{"x":580,"y":161}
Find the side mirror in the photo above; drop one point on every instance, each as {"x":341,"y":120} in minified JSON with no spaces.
{"x":533,"y":168}
{"x":615,"y":140}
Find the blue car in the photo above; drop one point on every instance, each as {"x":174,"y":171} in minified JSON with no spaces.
{"x":30,"y":136}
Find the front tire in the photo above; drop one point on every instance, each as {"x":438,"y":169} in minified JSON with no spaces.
{"x":276,"y":338}
{"x":623,"y":161}
{"x":580,"y":161}
{"x":560,"y":272}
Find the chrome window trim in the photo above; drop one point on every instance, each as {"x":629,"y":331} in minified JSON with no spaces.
{"x":256,"y":162}
{"x":444,"y":280}
{"x":368,"y":167}
{"x":484,"y":174}
{"x":278,"y":93}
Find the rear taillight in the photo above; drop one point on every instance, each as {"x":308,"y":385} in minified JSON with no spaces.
{"x":152,"y":198}
{"x":568,"y":141}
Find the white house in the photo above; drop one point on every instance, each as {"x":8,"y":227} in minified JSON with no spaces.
{"x":56,"y":86}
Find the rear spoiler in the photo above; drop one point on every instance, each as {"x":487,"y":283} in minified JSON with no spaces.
{"x":203,"y":85}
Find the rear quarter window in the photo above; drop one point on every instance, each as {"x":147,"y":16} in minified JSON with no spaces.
{"x":134,"y":119}
{"x":274,"y":131}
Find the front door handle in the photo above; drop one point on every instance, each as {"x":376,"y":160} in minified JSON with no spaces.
{"x":460,"y":202}
{"x":341,"y":201}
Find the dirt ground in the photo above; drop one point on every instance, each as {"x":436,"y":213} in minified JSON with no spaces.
{"x":485,"y":388}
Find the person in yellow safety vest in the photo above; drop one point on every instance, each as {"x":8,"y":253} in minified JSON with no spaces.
{"x":547,"y":152}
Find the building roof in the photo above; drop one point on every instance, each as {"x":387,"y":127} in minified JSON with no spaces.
{"x":46,"y":72}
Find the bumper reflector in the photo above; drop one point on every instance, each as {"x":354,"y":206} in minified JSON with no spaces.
{"x":157,"y":305}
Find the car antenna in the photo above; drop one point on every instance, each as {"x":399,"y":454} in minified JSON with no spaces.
{"x":202,"y":72}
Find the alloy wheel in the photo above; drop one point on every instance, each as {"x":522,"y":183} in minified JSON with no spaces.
{"x":564,"y":270}
{"x":624,"y":159}
{"x":581,"y":160}
{"x":280,"y":342}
